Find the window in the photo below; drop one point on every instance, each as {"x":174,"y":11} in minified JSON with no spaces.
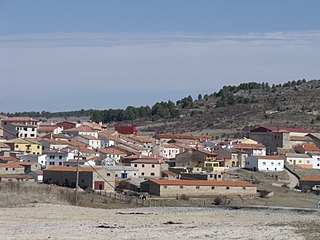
{"x":38,"y":147}
{"x":213,"y":187}
{"x":272,"y":163}
{"x":227,"y":188}
{"x":211,"y":176}
{"x":25,"y":129}
{"x":181,"y":187}
{"x":6,"y":169}
{"x":152,"y":174}
{"x":142,"y":165}
{"x":142,"y":174}
{"x":164,"y":186}
{"x":153,"y":166}
{"x":279,"y":163}
{"x":17,"y":146}
{"x":60,"y":163}
{"x":244,"y":188}
{"x":34,"y":153}
{"x":32,"y":135}
{"x":32,"y":129}
{"x":264,"y":163}
{"x":60,"y":157}
{"x":197,"y":187}
{"x":108,"y":174}
{"x":135,"y":165}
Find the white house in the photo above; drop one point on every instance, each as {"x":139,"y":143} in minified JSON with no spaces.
{"x":81,"y":130}
{"x":265,"y":163}
{"x":41,"y":159}
{"x":315,"y":160}
{"x":57,"y":157}
{"x":91,"y":141}
{"x":166,"y":150}
{"x":251,"y":149}
{"x":299,"y":159}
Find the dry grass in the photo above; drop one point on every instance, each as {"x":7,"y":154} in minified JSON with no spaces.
{"x":14,"y":194}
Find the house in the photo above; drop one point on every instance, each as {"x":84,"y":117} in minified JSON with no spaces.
{"x":123,"y":172}
{"x":25,"y":146}
{"x":49,"y":129}
{"x":307,"y":148}
{"x":58,"y":144}
{"x":251,"y":149}
{"x":309,"y":183}
{"x":126,"y":129}
{"x":4,"y":147}
{"x":37,"y":175}
{"x":274,"y":138}
{"x":299,"y":159}
{"x":232,"y":157}
{"x":150,"y":167}
{"x":16,"y":178}
{"x":19,"y":127}
{"x":57,"y":157}
{"x":142,"y":141}
{"x":112,"y":153}
{"x":166,"y":150}
{"x":196,"y":157}
{"x":35,"y":158}
{"x":175,"y":188}
{"x":89,"y":178}
{"x":6,"y":159}
{"x":91,"y":141}
{"x":65,"y":125}
{"x":11,"y":168}
{"x":81,"y":130}
{"x":265,"y":163}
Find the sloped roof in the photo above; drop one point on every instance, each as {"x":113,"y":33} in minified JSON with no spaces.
{"x":311,"y":178}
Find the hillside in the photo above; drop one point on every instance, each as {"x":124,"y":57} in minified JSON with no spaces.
{"x":231,"y":112}
{"x":287,"y":105}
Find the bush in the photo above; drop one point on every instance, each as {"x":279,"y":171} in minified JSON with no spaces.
{"x":184,"y":197}
{"x":221,"y":200}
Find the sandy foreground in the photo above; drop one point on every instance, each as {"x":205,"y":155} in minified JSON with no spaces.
{"x":49,"y":221}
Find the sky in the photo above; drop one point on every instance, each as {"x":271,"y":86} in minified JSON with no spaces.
{"x":79,"y":54}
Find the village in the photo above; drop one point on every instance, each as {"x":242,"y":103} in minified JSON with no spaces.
{"x":164,"y":165}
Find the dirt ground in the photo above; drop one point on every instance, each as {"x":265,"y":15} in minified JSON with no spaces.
{"x":49,"y":221}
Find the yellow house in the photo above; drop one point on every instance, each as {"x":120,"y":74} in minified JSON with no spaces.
{"x":25,"y":145}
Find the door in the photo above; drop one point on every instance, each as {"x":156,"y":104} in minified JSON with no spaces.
{"x":98,"y":185}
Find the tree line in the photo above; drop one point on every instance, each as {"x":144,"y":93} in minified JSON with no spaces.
{"x":162,"y":109}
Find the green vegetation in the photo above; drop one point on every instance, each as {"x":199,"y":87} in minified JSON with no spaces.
{"x":226,"y":96}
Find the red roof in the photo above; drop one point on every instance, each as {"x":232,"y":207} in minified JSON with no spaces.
{"x":201,"y":183}
{"x":312,"y":178}
{"x":11,"y":165}
{"x":126,"y":129}
{"x":80,"y":129}
{"x":310,"y":147}
{"x":111,"y":151}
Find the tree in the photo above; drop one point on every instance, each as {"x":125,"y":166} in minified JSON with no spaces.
{"x":199,"y":97}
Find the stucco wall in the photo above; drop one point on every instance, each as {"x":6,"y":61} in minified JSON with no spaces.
{"x":173,"y":191}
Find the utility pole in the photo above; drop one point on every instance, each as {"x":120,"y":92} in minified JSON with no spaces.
{"x":77,"y":176}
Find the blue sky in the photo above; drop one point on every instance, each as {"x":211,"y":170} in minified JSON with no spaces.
{"x":72,"y":54}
